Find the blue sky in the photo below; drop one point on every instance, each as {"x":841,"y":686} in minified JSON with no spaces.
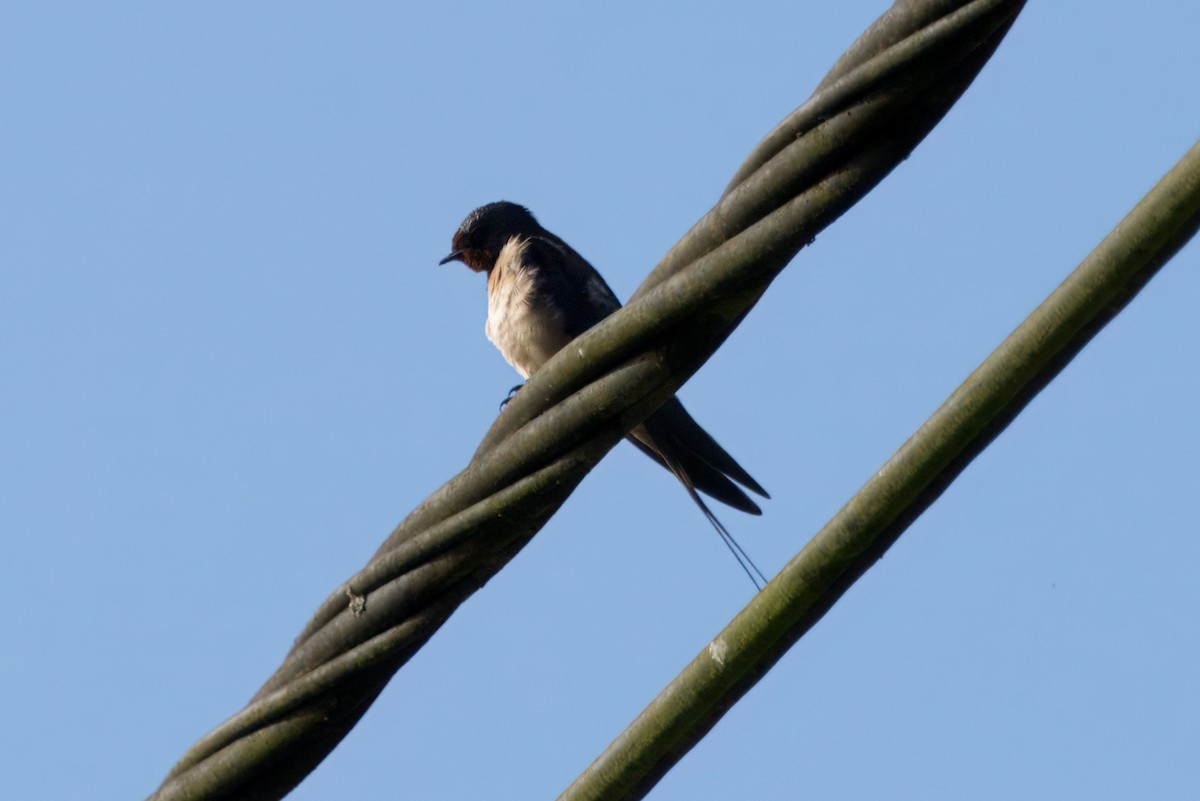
{"x":231,"y":364}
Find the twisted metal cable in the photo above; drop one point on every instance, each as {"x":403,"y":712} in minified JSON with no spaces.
{"x":882,"y":98}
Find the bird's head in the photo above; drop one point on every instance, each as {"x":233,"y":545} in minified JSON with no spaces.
{"x":478,"y":241}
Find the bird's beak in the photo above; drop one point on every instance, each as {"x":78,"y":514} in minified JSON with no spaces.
{"x":455,"y":256}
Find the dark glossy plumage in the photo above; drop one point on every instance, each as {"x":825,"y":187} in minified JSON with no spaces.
{"x":541,"y":295}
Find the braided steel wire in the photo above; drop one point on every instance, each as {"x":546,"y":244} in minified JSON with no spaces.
{"x":882,"y":97}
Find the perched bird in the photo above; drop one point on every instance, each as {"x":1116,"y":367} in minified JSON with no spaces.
{"x":541,"y":295}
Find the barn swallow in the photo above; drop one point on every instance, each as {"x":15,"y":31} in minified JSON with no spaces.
{"x":541,"y":295}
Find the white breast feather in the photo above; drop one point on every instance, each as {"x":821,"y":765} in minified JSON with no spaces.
{"x":525,"y":335}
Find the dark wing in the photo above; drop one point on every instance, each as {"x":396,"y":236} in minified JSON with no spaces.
{"x":669,"y":436}
{"x":570,"y":284}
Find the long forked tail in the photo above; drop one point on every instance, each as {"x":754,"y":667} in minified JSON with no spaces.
{"x":678,"y":443}
{"x":743,"y":559}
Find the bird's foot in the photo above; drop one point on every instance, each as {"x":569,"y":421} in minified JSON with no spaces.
{"x":512,"y":393}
